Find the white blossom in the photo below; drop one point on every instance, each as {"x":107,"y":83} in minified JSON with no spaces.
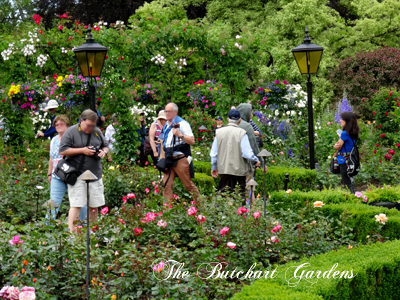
{"x":238,"y":37}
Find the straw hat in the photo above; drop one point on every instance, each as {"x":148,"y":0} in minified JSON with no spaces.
{"x":162,"y":115}
{"x":52,"y":104}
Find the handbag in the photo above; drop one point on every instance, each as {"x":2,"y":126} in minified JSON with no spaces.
{"x":147,"y":147}
{"x":332,"y":167}
{"x":66,"y":172}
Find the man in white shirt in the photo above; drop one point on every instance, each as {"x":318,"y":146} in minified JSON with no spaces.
{"x":178,"y":137}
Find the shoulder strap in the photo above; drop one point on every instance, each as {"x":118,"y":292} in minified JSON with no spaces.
{"x":84,"y":156}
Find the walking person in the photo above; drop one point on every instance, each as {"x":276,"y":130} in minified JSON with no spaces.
{"x":142,"y":136}
{"x":109,"y":136}
{"x":246,"y":112}
{"x":51,"y":107}
{"x":219,"y":125}
{"x":85,"y":145}
{"x":57,"y":187}
{"x":231,"y":155}
{"x":347,"y":139}
{"x":155,"y":132}
{"x":178,"y":137}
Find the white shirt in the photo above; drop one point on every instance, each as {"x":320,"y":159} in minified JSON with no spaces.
{"x":185,"y":129}
{"x":110,"y":131}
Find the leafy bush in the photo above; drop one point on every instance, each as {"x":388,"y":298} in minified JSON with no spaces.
{"x":274,"y":177}
{"x":296,"y":199}
{"x":376,"y":267}
{"x":384,"y":194}
{"x":364,"y":74}
{"x":362,"y":219}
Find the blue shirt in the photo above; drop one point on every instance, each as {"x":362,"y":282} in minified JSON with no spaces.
{"x":245,"y":147}
{"x":52,"y":130}
{"x":347,"y":146}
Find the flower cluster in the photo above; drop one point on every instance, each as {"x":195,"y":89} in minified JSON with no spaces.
{"x":181,"y":63}
{"x":343,"y":106}
{"x":159,"y":59}
{"x":13,"y":293}
{"x":42,"y":59}
{"x":6,"y":53}
{"x":360,"y":195}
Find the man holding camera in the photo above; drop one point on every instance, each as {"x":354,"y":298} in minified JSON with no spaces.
{"x":178,"y":137}
{"x":84,"y":141}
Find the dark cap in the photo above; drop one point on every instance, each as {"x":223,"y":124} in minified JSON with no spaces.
{"x":219,"y":118}
{"x":234,"y":114}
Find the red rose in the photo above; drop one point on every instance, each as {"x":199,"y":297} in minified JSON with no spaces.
{"x":60,"y":27}
{"x":55,"y":76}
{"x":391,"y":152}
{"x":382,"y":135}
{"x":200,"y":82}
{"x":121,"y":57}
{"x":386,"y":113}
{"x":391,"y":93}
{"x":375,"y":151}
{"x":37,"y":18}
{"x":377,"y":145}
{"x":380,"y":126}
{"x":374,"y":113}
{"x":40,"y":31}
{"x":64,"y":16}
{"x":398,"y":145}
{"x":388,"y":157}
{"x":48,"y":43}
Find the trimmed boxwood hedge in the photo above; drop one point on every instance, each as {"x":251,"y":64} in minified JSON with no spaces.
{"x":362,"y":219}
{"x":387,"y":194}
{"x":274,"y":177}
{"x":297,"y":199}
{"x":377,"y":269}
{"x":204,"y":183}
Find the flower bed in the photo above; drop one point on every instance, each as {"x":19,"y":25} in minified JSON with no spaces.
{"x":376,"y":267}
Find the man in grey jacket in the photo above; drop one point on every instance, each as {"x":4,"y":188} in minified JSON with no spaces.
{"x":245,"y":112}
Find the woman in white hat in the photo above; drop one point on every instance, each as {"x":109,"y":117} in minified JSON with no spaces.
{"x":155,"y":131}
{"x":51,"y":107}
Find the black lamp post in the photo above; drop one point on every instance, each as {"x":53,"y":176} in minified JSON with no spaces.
{"x":91,"y":56}
{"x":308,"y":56}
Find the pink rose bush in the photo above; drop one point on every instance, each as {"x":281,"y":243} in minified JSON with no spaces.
{"x":13,"y":293}
{"x":15,"y":240}
{"x":192,"y":211}
{"x":224,"y":231}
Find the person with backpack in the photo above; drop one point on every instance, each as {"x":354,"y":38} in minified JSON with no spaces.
{"x":347,"y":156}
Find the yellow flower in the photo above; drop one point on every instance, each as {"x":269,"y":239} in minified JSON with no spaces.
{"x":131,"y":182}
{"x":111,"y":168}
{"x":117,"y":166}
{"x":60,"y":78}
{"x":215,"y":89}
{"x":102,"y":175}
{"x":24,"y":169}
{"x":14,"y":89}
{"x":267,"y":90}
{"x":66,"y":76}
{"x":59,"y":84}
{"x":137,"y":185}
{"x":318,"y":204}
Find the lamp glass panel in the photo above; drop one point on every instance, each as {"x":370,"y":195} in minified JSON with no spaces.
{"x":83,"y":63}
{"x":315,"y":58}
{"x":301,"y":59}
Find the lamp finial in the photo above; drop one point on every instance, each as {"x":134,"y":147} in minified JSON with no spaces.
{"x":307,"y":39}
{"x":89,"y":37}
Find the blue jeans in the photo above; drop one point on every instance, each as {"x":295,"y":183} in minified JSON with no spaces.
{"x":57,"y":191}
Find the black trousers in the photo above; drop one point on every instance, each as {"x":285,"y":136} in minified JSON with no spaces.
{"x":230,"y":181}
{"x":346,"y":180}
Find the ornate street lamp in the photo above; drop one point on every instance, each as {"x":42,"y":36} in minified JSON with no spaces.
{"x":308,"y":56}
{"x":91,"y":56}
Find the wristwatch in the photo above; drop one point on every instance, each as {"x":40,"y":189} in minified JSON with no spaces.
{"x":182,"y":136}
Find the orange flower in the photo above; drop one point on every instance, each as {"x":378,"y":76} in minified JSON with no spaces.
{"x":48,"y":268}
{"x":15,"y":274}
{"x":34,"y":280}
{"x":23,"y":271}
{"x":100,"y":284}
{"x":122,"y":274}
{"x":25,"y":262}
{"x":113,"y":297}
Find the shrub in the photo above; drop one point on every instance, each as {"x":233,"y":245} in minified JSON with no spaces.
{"x":274,"y":177}
{"x":362,"y":219}
{"x":376,"y":267}
{"x":385,"y":194}
{"x":297,"y":199}
{"x":364,"y":74}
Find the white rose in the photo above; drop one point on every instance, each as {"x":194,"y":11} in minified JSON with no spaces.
{"x":277,"y":113}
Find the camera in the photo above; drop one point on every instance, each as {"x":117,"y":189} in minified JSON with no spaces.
{"x":175,"y":125}
{"x":96,"y":154}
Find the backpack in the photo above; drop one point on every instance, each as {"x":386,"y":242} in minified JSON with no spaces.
{"x":353,"y":166}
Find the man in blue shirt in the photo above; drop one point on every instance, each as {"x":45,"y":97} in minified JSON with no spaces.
{"x":51,"y":107}
{"x":232,"y":155}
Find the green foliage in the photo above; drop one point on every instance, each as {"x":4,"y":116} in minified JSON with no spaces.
{"x":296,"y":199}
{"x":374,"y":272}
{"x":384,"y":194}
{"x":362,"y":219}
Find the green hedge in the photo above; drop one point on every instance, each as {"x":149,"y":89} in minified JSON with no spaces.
{"x":204,"y":183}
{"x":387,"y":194}
{"x":377,"y":269}
{"x":297,"y":199}
{"x":274,"y":177}
{"x":362,"y":219}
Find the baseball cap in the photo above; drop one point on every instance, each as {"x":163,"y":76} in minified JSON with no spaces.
{"x":219,"y":118}
{"x":234,"y":114}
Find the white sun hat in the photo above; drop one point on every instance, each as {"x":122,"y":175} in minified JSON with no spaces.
{"x":52,"y":104}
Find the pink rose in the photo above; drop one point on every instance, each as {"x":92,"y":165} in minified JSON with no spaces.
{"x":27,"y":293}
{"x":224,"y":231}
{"x":274,"y":239}
{"x":201,"y":218}
{"x":104,"y":211}
{"x":121,"y":221}
{"x":15,"y":240}
{"x":13,"y":293}
{"x":192,"y":211}
{"x":231,"y":245}
{"x":131,"y":196}
{"x":137,"y":231}
{"x":256,"y":214}
{"x":147,"y":190}
{"x":241,"y":210}
{"x":162,"y":223}
{"x":124,"y":199}
{"x":276,"y":228}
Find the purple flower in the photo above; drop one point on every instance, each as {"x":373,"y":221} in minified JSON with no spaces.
{"x":343,"y":106}
{"x":262,"y":102}
{"x":277,"y":82}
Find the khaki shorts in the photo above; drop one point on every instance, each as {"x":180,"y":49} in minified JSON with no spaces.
{"x":77,"y":194}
